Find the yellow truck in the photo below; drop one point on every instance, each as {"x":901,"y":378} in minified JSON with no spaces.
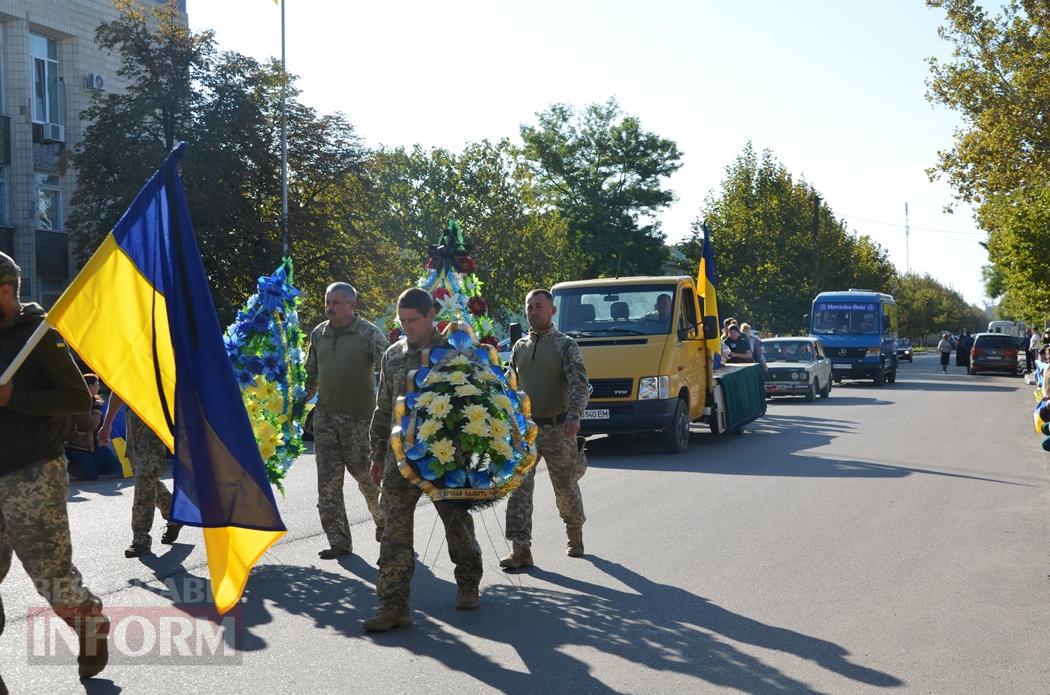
{"x":643,"y":340}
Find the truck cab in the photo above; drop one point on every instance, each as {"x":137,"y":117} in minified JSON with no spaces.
{"x":643,"y":341}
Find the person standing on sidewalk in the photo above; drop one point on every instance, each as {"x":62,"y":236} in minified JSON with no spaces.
{"x":552,"y":373}
{"x":1032,"y":348}
{"x":345,"y":352}
{"x":34,"y":484}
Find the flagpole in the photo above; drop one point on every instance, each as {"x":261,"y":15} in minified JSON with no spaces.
{"x":284,"y":143}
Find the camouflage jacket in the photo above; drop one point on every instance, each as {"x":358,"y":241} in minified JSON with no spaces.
{"x":398,"y":360}
{"x":569,"y":387}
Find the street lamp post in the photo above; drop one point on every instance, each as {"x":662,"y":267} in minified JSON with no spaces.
{"x":284,"y":143}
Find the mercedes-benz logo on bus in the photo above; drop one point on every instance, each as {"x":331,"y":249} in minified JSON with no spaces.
{"x":843,"y":352}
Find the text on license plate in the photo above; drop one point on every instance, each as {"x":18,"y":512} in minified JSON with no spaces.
{"x":841,"y":365}
{"x":596,"y":414}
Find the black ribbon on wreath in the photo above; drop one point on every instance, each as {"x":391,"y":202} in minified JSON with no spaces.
{"x":451,"y":252}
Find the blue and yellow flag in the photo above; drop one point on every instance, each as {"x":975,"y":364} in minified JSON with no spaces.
{"x":140,"y":314}
{"x":706,"y":283}
{"x":118,"y":439}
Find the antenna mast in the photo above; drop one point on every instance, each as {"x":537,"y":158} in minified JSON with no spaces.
{"x":907,"y":250}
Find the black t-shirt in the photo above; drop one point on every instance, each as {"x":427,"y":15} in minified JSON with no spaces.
{"x":740,"y":344}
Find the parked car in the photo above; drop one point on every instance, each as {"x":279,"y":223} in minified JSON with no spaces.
{"x":797,"y":367}
{"x":903,"y":350}
{"x":993,"y":352}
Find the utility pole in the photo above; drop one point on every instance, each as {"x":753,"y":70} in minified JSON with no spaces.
{"x":907,"y":251}
{"x":816,"y":231}
{"x":284,"y":144}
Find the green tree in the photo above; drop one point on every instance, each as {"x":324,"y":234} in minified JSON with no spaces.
{"x":926,"y":307}
{"x":227,"y":108}
{"x":777,"y":244}
{"x":605,"y":174}
{"x":519,"y":243}
{"x":998,"y":81}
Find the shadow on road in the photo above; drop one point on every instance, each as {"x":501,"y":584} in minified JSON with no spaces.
{"x":932,"y":385}
{"x":835,"y":400}
{"x":107,"y":487}
{"x":783,"y":437}
{"x":657,"y":626}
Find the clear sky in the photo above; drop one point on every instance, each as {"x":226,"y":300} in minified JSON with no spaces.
{"x":835,"y":89}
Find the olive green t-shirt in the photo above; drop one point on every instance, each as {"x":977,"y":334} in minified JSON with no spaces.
{"x":341,"y":366}
{"x":541,"y":374}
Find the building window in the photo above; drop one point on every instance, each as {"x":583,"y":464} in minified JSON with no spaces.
{"x":48,"y":203}
{"x":43,"y":58}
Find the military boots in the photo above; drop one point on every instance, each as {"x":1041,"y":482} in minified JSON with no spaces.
{"x":467,"y":598}
{"x":388,"y":618}
{"x":574,"y":546}
{"x":92,"y":630}
{"x":521,"y":557}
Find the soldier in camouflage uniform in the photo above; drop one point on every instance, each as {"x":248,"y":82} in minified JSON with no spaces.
{"x":344,"y":353}
{"x":396,"y":555}
{"x":551,"y":371}
{"x":34,"y":484}
{"x":148,"y":455}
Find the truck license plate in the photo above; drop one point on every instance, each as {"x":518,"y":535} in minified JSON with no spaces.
{"x":596,"y":414}
{"x":841,"y":365}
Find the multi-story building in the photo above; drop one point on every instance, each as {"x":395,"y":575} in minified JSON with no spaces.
{"x":49,"y":68}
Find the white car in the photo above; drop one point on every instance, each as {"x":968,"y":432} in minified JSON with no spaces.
{"x":797,"y":367}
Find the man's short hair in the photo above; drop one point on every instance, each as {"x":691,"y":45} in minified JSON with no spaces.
{"x":10,"y":273}
{"x":416,"y":299}
{"x":541,"y":292}
{"x":734,"y":327}
{"x":343,"y":288}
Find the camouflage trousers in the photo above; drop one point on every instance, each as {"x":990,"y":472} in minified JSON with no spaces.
{"x":397,"y":551}
{"x":147,"y":453}
{"x":35,"y":525}
{"x":341,"y":443}
{"x":566,"y":464}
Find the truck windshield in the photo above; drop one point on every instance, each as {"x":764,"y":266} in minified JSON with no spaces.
{"x":845,"y":321}
{"x":615,"y":310}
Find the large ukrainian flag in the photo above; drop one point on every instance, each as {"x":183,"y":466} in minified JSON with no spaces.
{"x":140,"y":314}
{"x":706,"y":282}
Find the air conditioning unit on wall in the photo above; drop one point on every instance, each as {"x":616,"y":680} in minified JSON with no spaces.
{"x":52,"y":132}
{"x":95,"y":82}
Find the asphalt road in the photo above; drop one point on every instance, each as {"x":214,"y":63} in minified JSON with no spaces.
{"x":884,"y":540}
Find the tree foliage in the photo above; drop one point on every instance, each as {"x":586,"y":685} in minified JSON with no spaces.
{"x":518,"y":242}
{"x":925,"y":307}
{"x":777,"y":244}
{"x":604,"y":173}
{"x":998,"y":81}
{"x":226,"y":106}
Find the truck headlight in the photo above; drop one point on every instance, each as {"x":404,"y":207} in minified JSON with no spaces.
{"x":873,"y":352}
{"x":797,"y":376}
{"x":653,"y":387}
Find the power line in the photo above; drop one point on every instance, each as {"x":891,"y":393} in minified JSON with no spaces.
{"x":913,"y":227}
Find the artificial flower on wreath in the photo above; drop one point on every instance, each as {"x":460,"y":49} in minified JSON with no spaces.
{"x":265,"y":346}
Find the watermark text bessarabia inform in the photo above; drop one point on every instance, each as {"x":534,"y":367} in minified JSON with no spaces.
{"x":189,"y":632}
